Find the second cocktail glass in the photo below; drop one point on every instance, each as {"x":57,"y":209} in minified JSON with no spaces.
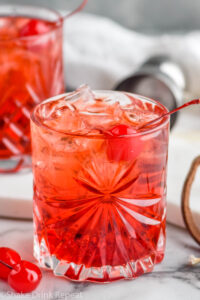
{"x":31,"y":71}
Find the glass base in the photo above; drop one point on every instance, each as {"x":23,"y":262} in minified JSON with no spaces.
{"x":103,"y":274}
{"x":15,"y":164}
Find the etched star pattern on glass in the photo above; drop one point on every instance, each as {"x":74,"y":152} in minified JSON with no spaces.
{"x":97,"y":217}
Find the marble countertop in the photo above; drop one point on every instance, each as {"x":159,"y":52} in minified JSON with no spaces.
{"x":173,"y":279}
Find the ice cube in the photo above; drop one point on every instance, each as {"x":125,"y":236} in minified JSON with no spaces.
{"x":138,"y":117}
{"x":81,"y":98}
{"x":8,"y":29}
{"x":87,"y":113}
{"x":62,"y":116}
{"x":59,"y":109}
{"x":70,"y":113}
{"x":113,"y":97}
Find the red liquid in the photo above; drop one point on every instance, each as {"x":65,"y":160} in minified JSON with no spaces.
{"x":99,"y":203}
{"x":31,"y":71}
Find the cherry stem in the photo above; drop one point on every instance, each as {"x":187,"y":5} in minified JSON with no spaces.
{"x":192,"y":102}
{"x":5,"y":264}
{"x":78,"y":9}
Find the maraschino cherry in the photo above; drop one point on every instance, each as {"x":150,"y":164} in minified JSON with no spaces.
{"x":123,"y":144}
{"x":34,"y":27}
{"x":22,"y":276}
{"x":11,"y":258}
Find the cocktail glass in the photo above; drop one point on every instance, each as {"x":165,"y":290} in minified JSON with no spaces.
{"x":99,"y":198}
{"x":31,"y":71}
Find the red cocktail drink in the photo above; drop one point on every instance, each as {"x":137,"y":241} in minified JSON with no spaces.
{"x":99,"y":185}
{"x":31,"y":71}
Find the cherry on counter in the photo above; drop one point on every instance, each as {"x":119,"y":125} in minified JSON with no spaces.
{"x":10,"y":257}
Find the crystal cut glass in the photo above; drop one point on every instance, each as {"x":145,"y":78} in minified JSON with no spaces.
{"x":99,"y":201}
{"x":31,"y":71}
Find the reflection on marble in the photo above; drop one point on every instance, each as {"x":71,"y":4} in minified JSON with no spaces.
{"x":173,"y":279}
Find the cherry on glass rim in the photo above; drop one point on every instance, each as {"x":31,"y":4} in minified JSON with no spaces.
{"x":9,"y":257}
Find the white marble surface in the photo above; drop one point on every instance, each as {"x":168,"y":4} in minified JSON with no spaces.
{"x":173,"y":279}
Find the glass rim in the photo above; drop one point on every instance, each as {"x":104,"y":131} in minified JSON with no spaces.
{"x":38,"y":122}
{"x":58,"y":21}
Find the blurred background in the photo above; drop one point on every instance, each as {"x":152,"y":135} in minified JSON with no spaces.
{"x":143,"y":15}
